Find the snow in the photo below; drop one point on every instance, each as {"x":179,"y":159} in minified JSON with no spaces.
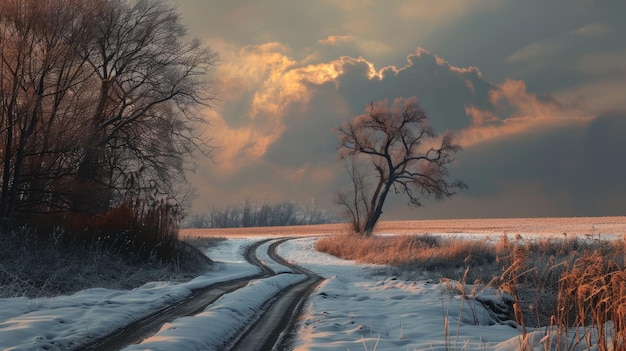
{"x":354,"y":308}
{"x":351,"y":311}
{"x":225,"y":317}
{"x":66,"y":322}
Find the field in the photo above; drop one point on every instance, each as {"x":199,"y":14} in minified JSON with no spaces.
{"x":615,"y":226}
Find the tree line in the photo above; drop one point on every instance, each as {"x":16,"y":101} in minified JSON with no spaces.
{"x":99,"y":105}
{"x":254,"y":214}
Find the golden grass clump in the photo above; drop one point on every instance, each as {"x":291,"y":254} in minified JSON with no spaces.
{"x":592,"y":295}
{"x":407,"y":251}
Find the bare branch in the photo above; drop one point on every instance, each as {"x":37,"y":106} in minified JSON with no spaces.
{"x":393,"y":138}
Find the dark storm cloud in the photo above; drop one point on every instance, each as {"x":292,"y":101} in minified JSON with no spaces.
{"x":563,"y":170}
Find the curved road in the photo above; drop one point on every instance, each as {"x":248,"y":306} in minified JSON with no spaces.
{"x":273,"y":328}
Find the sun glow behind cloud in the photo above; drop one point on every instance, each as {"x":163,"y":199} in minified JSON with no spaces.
{"x":279,"y":87}
{"x":293,"y":71}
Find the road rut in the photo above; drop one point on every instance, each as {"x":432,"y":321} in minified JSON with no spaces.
{"x":274,"y":325}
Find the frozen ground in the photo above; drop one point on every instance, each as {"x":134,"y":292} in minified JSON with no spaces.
{"x":353,"y":309}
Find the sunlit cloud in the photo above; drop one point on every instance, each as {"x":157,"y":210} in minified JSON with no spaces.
{"x":264,"y":83}
{"x":513,"y":111}
{"x":336,"y":39}
{"x":278,"y":87}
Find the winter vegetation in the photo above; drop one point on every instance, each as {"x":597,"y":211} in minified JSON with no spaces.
{"x":572,"y":288}
{"x":261,"y":214}
{"x":30,"y":267}
{"x":99,"y":118}
{"x":396,"y":144}
{"x":364,"y":306}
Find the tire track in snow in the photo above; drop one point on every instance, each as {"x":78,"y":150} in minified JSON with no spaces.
{"x":272,"y":323}
{"x":274,"y":328}
{"x":192,"y":305}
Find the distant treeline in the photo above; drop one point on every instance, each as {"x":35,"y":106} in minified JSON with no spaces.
{"x":254,"y":214}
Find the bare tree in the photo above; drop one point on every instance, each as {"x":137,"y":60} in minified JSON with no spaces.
{"x":402,"y":148}
{"x":254,"y":214}
{"x":150,"y":82}
{"x":355,"y":201}
{"x":99,"y":102}
{"x":37,"y":73}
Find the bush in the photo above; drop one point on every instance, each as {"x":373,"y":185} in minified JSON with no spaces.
{"x":410,"y":252}
{"x":137,"y":229}
{"x":32,"y":267}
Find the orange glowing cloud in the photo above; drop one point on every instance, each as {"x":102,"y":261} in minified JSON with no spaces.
{"x":530,"y":112}
{"x":265,"y":83}
{"x":269,"y":87}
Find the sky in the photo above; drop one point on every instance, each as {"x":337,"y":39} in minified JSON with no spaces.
{"x":534,"y":91}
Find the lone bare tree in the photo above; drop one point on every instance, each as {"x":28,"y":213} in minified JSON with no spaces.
{"x":405,"y":153}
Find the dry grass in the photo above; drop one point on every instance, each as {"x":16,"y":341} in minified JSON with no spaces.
{"x":533,"y":226}
{"x":569,"y":285}
{"x":409,"y":252}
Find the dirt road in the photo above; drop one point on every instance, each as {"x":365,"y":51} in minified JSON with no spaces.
{"x":271,"y":330}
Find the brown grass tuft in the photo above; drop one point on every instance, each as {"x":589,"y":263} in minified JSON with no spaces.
{"x":409,"y":252}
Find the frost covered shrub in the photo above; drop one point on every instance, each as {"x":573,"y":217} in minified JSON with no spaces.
{"x":35,"y":267}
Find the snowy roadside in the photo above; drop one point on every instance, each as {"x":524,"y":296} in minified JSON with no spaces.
{"x":65,"y":322}
{"x":351,"y":310}
{"x":221,"y":321}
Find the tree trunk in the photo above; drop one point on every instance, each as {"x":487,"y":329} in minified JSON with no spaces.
{"x":89,"y":193}
{"x":378,"y":210}
{"x":8,"y":158}
{"x":6,"y":174}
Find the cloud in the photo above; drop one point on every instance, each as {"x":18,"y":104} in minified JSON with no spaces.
{"x":602,"y":64}
{"x":336,"y":39}
{"x":549,"y":48}
{"x":281,"y":144}
{"x":525,"y":91}
{"x":293,"y":107}
{"x":355,"y":46}
{"x":260,"y":84}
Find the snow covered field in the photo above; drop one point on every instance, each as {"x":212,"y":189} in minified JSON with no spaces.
{"x":353,"y":309}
